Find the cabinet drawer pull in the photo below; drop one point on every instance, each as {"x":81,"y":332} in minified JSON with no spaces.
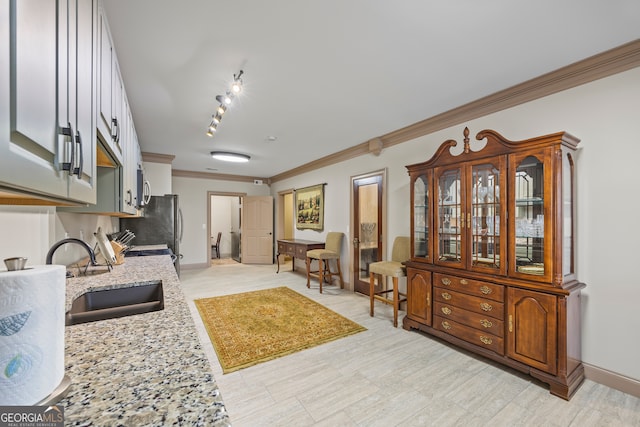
{"x":446,"y":296}
{"x":485,"y":290}
{"x":446,"y":310}
{"x":486,"y":307}
{"x":445,"y":281}
{"x":486,"y":323}
{"x":446,"y":325}
{"x":464,"y":282}
{"x":486,"y":340}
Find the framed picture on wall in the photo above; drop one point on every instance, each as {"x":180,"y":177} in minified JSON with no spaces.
{"x":310,"y":208}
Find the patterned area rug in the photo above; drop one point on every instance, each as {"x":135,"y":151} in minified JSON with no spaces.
{"x":254,"y":327}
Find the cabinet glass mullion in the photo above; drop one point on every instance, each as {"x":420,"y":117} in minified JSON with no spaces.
{"x":529,"y":216}
{"x":421,"y":214}
{"x":485,"y":216}
{"x":449,"y":216}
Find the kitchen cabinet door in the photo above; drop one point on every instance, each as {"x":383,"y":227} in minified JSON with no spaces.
{"x":33,"y":151}
{"x":47,"y":149}
{"x":81,"y":107}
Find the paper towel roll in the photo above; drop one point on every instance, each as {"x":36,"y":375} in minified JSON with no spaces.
{"x":32,"y":309}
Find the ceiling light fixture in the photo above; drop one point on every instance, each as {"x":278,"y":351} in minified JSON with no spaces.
{"x":236,"y":86}
{"x":224,"y":101}
{"x":230,"y":157}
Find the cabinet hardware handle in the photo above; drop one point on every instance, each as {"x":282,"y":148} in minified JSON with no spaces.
{"x":68,"y":131}
{"x":446,"y":325}
{"x":462,"y":221}
{"x":464,"y":282}
{"x":446,"y":310}
{"x":428,"y":300}
{"x":445,"y":281}
{"x":486,"y":307}
{"x":485,"y":340}
{"x":115,"y":131}
{"x":510,"y":323}
{"x":78,"y":171}
{"x":485,"y":290}
{"x":468,"y":220}
{"x":486,"y":323}
{"x":446,"y":296}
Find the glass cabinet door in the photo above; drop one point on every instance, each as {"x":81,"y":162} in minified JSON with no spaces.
{"x":532,"y":194}
{"x":449,"y":217}
{"x":421,"y":218}
{"x":487,"y":209}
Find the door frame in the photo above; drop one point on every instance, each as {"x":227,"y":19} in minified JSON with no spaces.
{"x":353,"y":253}
{"x":208,"y":222}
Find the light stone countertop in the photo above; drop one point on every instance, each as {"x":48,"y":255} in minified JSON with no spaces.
{"x":146,"y":369}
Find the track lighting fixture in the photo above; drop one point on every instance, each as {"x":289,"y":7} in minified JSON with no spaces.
{"x":224,"y":101}
{"x":236,"y":86}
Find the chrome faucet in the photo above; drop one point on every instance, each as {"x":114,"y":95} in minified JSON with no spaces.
{"x":92,"y":255}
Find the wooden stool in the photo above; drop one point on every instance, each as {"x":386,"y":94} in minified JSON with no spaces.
{"x":395,"y":269}
{"x":331,"y":251}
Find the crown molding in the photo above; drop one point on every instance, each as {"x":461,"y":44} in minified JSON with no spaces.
{"x":157,"y":158}
{"x":614,"y":61}
{"x":217,"y":176}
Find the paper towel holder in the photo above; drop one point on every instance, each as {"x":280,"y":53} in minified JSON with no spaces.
{"x":58,"y":393}
{"x":15,"y":263}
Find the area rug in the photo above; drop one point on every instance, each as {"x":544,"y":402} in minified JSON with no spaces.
{"x":254,"y":327}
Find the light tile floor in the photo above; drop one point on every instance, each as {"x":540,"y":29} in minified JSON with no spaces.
{"x":385,"y":376}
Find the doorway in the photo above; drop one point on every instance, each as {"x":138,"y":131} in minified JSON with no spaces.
{"x":368,"y":225}
{"x":224,"y":213}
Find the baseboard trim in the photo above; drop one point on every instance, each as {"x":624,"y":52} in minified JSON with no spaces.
{"x":612,"y":379}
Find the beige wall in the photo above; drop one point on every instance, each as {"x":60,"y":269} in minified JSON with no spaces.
{"x":193,"y":200}
{"x":604,"y":115}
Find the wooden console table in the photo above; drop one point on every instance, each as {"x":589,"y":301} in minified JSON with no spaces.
{"x":296,"y":248}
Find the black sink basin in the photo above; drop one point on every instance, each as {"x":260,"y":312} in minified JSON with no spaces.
{"x":112,"y":303}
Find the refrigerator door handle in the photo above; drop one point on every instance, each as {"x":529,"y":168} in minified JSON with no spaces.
{"x":181,"y":225}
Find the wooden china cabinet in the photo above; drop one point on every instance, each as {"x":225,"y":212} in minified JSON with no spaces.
{"x":492,"y":257}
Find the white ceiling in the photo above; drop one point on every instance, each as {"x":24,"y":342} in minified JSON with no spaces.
{"x":322,"y":76}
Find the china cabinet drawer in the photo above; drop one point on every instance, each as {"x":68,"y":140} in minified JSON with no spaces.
{"x":475,"y":320}
{"x":468,"y":302}
{"x":471,"y":335}
{"x":470,"y":286}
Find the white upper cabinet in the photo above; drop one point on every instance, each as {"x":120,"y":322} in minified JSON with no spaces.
{"x":110,"y":89}
{"x":47,"y":147}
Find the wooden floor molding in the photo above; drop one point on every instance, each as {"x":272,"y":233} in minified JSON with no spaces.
{"x":611,"y":379}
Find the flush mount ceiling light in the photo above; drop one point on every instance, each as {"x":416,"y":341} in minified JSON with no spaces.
{"x":230,"y":157}
{"x":225,"y":101}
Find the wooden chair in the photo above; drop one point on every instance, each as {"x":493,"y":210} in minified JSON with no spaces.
{"x":216,"y":247}
{"x":331,"y":251}
{"x":400,"y":253}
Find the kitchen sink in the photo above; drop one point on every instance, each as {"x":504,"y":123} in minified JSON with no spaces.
{"x":111,"y":303}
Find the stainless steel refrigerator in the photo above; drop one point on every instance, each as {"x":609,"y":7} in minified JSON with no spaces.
{"x":161,"y":223}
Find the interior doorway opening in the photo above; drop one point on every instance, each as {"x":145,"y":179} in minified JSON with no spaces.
{"x":286,"y":219}
{"x":224,"y":213}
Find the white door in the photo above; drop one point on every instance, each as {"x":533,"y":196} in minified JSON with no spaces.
{"x":257,"y":230}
